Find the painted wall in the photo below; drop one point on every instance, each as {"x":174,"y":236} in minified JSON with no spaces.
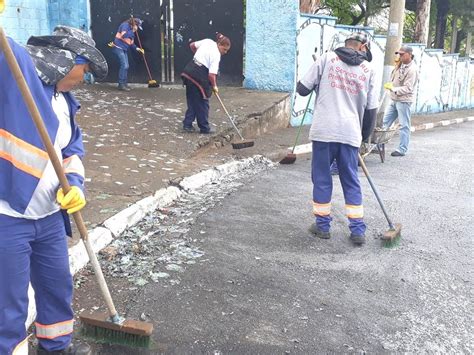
{"x":446,"y":81}
{"x":24,"y":18}
{"x":270,"y":44}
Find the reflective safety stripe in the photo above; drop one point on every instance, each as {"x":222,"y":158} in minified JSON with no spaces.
{"x":22,"y":155}
{"x":321,"y":209}
{"x":73,"y":164}
{"x":52,"y":331}
{"x":354,"y":211}
{"x":22,"y":348}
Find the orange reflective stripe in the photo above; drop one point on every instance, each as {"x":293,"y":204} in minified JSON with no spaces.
{"x":321,"y":209}
{"x":73,"y":164}
{"x":27,"y":169}
{"x":52,"y":331}
{"x":24,"y":145}
{"x":355,"y":211}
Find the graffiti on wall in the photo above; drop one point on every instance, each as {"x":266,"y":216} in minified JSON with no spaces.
{"x":446,"y":82}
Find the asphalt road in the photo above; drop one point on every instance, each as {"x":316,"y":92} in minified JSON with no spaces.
{"x":233,"y":269}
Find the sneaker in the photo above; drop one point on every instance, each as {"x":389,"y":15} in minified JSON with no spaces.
{"x":357,"y":239}
{"x":318,"y":232}
{"x":75,"y":348}
{"x":396,"y":153}
{"x":123,"y":87}
{"x":189,"y":129}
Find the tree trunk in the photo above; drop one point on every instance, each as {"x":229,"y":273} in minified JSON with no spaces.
{"x":454,"y":34}
{"x":309,"y":6}
{"x":422,"y":21}
{"x":441,"y":19}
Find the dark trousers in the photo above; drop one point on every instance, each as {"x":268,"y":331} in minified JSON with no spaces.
{"x":346,"y":157}
{"x":198,"y":108}
{"x":122,"y":57}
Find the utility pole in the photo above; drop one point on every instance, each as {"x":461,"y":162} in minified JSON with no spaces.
{"x":394,"y":36}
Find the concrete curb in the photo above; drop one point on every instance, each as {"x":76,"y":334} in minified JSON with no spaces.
{"x":103,"y":235}
{"x":307,"y":148}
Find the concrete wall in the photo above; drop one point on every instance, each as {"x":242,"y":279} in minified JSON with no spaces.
{"x":270,"y":44}
{"x":446,"y":80}
{"x":24,"y":18}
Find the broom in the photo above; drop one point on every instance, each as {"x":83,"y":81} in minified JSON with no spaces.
{"x":243,"y":143}
{"x":392,"y":236}
{"x":151,"y":83}
{"x":291,"y":157}
{"x":110,"y":328}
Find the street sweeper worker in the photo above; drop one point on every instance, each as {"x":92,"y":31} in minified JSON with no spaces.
{"x":34,"y":211}
{"x":200,"y":78}
{"x":344,"y":115}
{"x":123,"y":41}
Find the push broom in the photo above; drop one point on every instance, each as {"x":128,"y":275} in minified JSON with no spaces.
{"x":151,"y":83}
{"x":393,"y":234}
{"x":110,"y":328}
{"x":291,"y":157}
{"x":243,"y":142}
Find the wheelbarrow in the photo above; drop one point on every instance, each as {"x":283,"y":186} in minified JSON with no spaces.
{"x":376,"y":142}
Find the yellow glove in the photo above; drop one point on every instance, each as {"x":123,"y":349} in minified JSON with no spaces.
{"x":2,"y":5}
{"x":141,"y":50}
{"x":215,"y":90}
{"x":110,"y":44}
{"x":388,"y":86}
{"x":73,"y":201}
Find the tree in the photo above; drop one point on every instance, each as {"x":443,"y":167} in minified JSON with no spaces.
{"x":309,"y":6}
{"x":422,"y":21}
{"x":442,"y":7}
{"x":354,"y":12}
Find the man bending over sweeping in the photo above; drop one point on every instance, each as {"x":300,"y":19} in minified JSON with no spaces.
{"x":33,"y":225}
{"x":344,"y":114}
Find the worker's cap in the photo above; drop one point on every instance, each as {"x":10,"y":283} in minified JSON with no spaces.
{"x":138,"y":22}
{"x":404,"y":49}
{"x":358,"y":36}
{"x":54,"y":56}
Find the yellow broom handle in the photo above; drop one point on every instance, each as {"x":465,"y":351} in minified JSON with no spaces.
{"x":58,"y":168}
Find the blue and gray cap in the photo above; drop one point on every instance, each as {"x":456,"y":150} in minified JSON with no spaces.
{"x":54,"y":56}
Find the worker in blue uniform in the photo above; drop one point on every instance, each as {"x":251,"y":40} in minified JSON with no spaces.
{"x":33,"y":222}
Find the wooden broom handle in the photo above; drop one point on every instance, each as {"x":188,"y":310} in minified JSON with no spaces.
{"x":58,"y":168}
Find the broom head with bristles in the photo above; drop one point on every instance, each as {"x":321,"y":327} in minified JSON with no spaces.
{"x":392,"y":236}
{"x":243,"y":144}
{"x":289,"y":159}
{"x":153,"y":84}
{"x":131,"y":332}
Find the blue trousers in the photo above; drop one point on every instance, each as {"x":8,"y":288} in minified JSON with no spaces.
{"x":198,"y":108}
{"x":123,"y":62}
{"x":36,"y":251}
{"x":400,"y":110}
{"x":346,"y":157}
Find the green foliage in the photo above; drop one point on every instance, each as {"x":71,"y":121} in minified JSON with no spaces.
{"x":354,"y":12}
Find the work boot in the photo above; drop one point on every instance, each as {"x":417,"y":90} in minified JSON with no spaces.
{"x":75,"y":348}
{"x":210,"y":131}
{"x":357,"y":239}
{"x":318,"y":232}
{"x":123,"y":87}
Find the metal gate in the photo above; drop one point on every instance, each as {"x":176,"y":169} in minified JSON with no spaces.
{"x":106,"y":16}
{"x":198,"y":19}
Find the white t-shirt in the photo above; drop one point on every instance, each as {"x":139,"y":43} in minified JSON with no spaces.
{"x":208,"y":55}
{"x":343,"y":93}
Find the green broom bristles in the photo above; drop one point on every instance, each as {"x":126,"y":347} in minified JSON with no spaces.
{"x":109,"y":336}
{"x":392,"y":243}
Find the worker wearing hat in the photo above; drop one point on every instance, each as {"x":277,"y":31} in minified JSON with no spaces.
{"x":344,"y":115}
{"x":402,"y":85}
{"x":33,"y":218}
